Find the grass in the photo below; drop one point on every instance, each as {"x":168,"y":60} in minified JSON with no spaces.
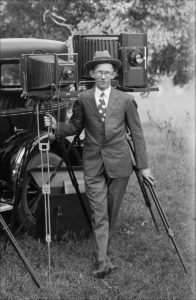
{"x":148,"y":266}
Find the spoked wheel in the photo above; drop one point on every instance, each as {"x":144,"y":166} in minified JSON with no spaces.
{"x":32,"y":189}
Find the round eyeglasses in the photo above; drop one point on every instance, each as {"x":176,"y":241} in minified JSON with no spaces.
{"x":107,"y":74}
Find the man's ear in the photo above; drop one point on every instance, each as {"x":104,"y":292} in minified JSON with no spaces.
{"x":91,"y":72}
{"x":114,"y":74}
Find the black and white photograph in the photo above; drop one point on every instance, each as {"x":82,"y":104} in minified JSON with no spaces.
{"x":97,"y":150}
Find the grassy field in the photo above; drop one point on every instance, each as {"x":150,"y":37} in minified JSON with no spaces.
{"x":148,"y":266}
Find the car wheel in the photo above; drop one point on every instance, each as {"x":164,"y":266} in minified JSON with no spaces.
{"x":31,"y":194}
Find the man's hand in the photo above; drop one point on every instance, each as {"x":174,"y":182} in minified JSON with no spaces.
{"x":147,"y":174}
{"x":49,"y":121}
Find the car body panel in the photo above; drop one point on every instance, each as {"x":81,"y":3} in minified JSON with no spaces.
{"x":14,"y":47}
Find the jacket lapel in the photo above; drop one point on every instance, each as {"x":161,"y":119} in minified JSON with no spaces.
{"x":92,"y":103}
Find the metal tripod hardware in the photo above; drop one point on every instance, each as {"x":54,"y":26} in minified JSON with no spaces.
{"x":44,"y":148}
{"x":143,"y":183}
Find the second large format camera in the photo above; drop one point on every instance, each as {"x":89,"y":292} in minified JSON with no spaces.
{"x":131,"y":49}
{"x":66,"y":72}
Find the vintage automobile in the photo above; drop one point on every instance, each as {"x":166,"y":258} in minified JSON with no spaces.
{"x":19,"y":145}
{"x":39,"y":75}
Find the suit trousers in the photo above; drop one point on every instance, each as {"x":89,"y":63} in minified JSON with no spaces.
{"x":105,"y":197}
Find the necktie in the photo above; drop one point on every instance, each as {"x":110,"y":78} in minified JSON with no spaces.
{"x":102,"y":107}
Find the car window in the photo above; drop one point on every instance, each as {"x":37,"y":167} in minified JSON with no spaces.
{"x":10,"y":74}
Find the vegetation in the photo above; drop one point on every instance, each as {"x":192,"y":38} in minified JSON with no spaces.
{"x":148,"y":266}
{"x":170,"y":26}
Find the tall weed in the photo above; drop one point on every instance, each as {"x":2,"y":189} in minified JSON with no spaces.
{"x":172,"y":134}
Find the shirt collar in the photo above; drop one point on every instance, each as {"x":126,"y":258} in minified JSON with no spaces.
{"x":98,"y":92}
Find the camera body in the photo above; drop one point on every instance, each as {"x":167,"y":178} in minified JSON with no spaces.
{"x":131,"y":49}
{"x":133,"y":54}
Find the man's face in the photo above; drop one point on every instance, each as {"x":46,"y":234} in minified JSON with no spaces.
{"x":103,"y":74}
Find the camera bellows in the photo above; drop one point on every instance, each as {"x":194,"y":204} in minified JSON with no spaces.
{"x":42,"y":71}
{"x":86,"y":45}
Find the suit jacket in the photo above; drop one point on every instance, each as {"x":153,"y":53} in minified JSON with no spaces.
{"x":105,"y":144}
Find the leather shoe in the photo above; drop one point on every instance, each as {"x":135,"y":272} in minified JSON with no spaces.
{"x":103,"y":270}
{"x":111,"y":266}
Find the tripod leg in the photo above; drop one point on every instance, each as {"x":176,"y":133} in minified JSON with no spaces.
{"x":146,"y":198}
{"x":74,"y":182}
{"x":13,"y":215}
{"x":166,"y":223}
{"x":20,"y":252}
{"x":48,"y":230}
{"x":141,"y":183}
{"x":157,"y":204}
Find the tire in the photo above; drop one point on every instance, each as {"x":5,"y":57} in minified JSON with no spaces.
{"x":31,"y":190}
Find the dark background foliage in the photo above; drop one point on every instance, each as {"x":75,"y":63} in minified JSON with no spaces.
{"x":170,"y":26}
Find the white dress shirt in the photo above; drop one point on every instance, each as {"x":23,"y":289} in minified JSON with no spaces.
{"x":98,"y":93}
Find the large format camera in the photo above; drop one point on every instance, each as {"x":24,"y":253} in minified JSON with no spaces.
{"x":66,"y":72}
{"x":131,"y":49}
{"x":41,"y":72}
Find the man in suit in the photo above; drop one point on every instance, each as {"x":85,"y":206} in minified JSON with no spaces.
{"x":105,"y":113}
